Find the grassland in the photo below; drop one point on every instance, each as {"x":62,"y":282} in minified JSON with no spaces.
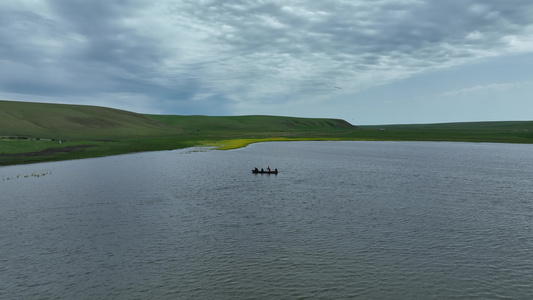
{"x":489,"y":132}
{"x":36,"y":132}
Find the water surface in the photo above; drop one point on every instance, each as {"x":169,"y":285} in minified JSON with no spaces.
{"x":342,"y":220}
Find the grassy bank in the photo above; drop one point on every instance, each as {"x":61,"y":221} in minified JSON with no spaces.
{"x":37,"y":132}
{"x":495,"y":132}
{"x":239,"y":143}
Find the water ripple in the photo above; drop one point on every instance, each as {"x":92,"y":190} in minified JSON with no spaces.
{"x":340,"y":221}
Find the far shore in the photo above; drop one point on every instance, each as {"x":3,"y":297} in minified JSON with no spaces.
{"x":29,"y":135}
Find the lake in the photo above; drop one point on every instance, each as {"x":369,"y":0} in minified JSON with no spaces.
{"x":341,"y":220}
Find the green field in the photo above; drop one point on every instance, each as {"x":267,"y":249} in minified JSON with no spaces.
{"x":493,"y":132}
{"x":36,"y":132}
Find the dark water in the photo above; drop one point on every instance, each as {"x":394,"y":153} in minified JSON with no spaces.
{"x":342,"y":220}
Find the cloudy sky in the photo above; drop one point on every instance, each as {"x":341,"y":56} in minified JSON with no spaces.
{"x":365,"y":61}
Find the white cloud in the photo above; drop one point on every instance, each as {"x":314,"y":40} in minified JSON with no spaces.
{"x":475,"y":35}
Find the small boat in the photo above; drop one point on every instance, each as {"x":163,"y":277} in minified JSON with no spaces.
{"x":256,"y":171}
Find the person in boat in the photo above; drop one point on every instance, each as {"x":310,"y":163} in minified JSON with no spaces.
{"x":256,"y":170}
{"x":262,"y":170}
{"x":269,"y":168}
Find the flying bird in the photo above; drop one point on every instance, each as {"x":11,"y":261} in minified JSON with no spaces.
{"x":338,"y":87}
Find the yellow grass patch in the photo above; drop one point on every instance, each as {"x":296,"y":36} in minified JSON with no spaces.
{"x":239,"y":143}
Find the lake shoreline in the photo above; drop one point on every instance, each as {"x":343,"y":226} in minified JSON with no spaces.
{"x":85,"y":150}
{"x":28,"y":135}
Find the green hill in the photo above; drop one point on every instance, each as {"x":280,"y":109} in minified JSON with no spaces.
{"x":35,"y":132}
{"x":253,"y":125}
{"x":62,"y":121}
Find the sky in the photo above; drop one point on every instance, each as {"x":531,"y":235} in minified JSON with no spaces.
{"x":368,"y":62}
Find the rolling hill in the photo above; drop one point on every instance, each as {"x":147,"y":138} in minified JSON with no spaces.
{"x":253,"y":125}
{"x":62,"y":121}
{"x":34,"y":132}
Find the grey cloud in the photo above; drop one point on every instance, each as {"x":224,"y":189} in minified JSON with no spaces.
{"x":81,"y":47}
{"x":361,"y":36}
{"x":246,"y":51}
{"x":353,"y":29}
{"x":107,"y":42}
